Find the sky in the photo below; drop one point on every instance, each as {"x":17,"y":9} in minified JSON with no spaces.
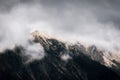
{"x":91,"y":21}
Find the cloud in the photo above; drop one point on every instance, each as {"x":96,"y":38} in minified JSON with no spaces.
{"x":35,"y":51}
{"x":73,"y":20}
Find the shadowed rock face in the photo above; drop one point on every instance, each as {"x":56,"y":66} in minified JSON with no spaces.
{"x":13,"y":64}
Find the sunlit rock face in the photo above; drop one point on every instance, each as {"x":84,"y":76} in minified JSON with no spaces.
{"x":47,"y":58}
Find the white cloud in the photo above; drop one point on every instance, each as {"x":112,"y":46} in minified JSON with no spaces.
{"x":70,"y":22}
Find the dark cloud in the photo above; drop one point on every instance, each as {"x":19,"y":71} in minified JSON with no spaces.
{"x":104,"y":10}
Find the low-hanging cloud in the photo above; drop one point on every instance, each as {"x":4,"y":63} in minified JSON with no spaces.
{"x":77,"y":21}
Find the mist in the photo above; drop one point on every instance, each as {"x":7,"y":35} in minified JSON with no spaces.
{"x":71,"y":20}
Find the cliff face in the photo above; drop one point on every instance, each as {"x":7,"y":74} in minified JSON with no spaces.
{"x":61,"y":62}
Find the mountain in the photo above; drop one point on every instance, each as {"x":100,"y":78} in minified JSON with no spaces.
{"x":62,"y":61}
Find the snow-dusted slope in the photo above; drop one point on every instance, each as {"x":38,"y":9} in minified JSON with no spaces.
{"x":60,"y":61}
{"x":95,"y":53}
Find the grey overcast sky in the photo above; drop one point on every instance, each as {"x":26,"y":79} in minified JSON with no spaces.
{"x":93,"y":21}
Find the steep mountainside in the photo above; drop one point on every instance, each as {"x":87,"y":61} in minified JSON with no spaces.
{"x":61,"y":62}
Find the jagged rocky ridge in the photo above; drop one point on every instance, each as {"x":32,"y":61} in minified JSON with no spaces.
{"x":61,"y":62}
